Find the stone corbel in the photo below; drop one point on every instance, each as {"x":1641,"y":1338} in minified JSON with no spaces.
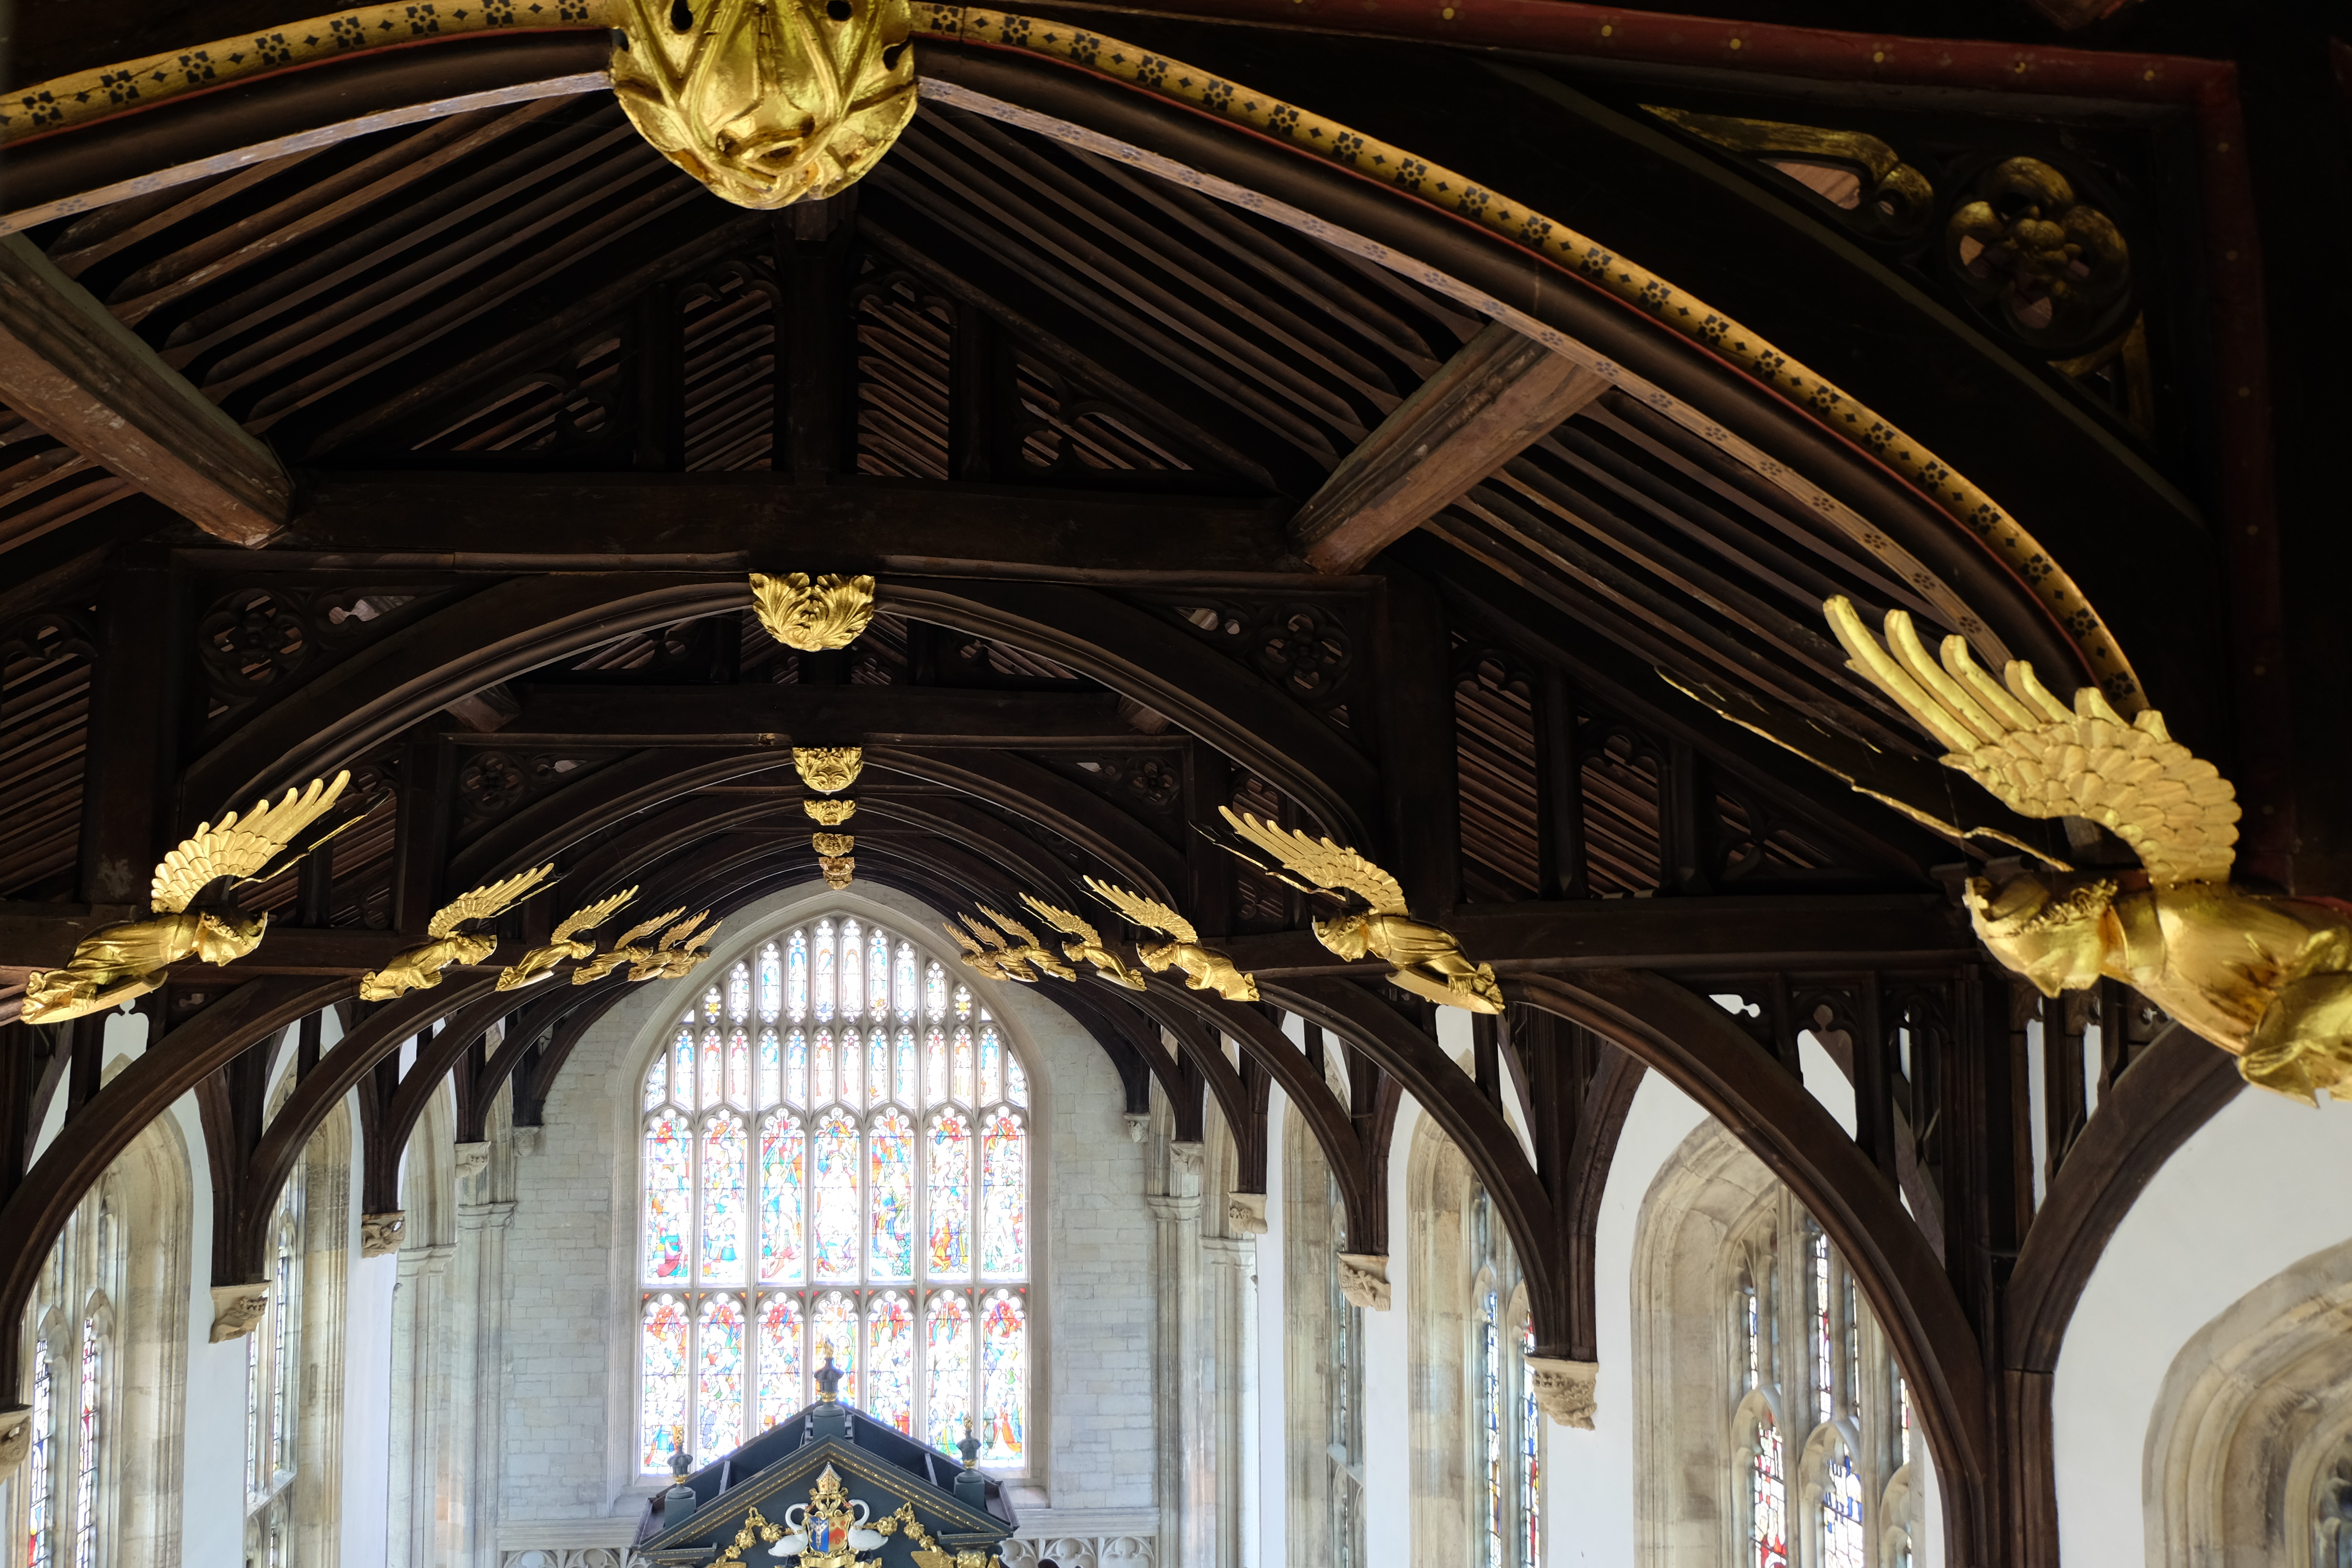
{"x":1565,"y":1389}
{"x":1364,"y":1279}
{"x":530,"y":1140}
{"x":380,"y":1233}
{"x":1138,"y":1122}
{"x":1245,"y":1212}
{"x":237,"y":1309}
{"x":16,"y":1437}
{"x":1185,"y":1159}
{"x":473,"y":1158}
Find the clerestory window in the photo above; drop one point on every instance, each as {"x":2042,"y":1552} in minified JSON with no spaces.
{"x":836,"y":1164}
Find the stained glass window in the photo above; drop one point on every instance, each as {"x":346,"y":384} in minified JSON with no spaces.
{"x":1768,"y":1529}
{"x":1003,"y":1377}
{"x":662,"y":1381}
{"x":1824,"y":1396}
{"x":1490,"y":1422}
{"x":1840,"y":1512}
{"x":40,"y":1546}
{"x":1530,"y":1534}
{"x":905,"y":1168}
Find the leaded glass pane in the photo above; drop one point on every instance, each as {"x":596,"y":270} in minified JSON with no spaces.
{"x":877,"y":975}
{"x":991,"y":1076}
{"x":934,"y":990}
{"x":833,"y":1243}
{"x":40,"y":1483}
{"x":951,"y":1195}
{"x":796,"y":977}
{"x":783,"y":1198}
{"x":1490,"y":1428}
{"x":947,"y":1368}
{"x":796,"y":1064}
{"x":960,"y":1066}
{"x":853,"y":968}
{"x":783,"y":1376}
{"x":905,"y":1075}
{"x":772,"y":1070}
{"x":1530,"y":1454}
{"x":821,"y":1068}
{"x":834,"y":1336}
{"x":711,"y":1080}
{"x":1003,"y":1214}
{"x":890,"y":1361}
{"x":1841,"y":1512}
{"x":1824,"y":1401}
{"x":681,"y":1070}
{"x":1003,"y":1377}
{"x":719,"y":1384}
{"x":739,"y":1067}
{"x":771,"y":983}
{"x":724,"y":1157}
{"x":739,"y":993}
{"x":903,"y":984}
{"x":1016,"y":1081}
{"x":820,"y":979}
{"x":878,"y":1066}
{"x":851,"y":1059}
{"x":662,"y":1381}
{"x":86,"y":1482}
{"x":668,"y":1194}
{"x":657,"y":1082}
{"x":935,"y":1066}
{"x":891,"y":1197}
{"x":1768,"y":1529}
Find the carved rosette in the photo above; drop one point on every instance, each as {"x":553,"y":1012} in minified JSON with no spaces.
{"x":1565,"y":1389}
{"x":828,"y":769}
{"x":830,"y":813}
{"x":1245,"y":1214}
{"x":237,"y":1309}
{"x":1364,"y":1279}
{"x":380,"y":1233}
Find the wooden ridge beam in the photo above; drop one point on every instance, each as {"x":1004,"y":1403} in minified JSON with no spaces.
{"x":806,"y":715}
{"x":69,"y":366}
{"x":743,"y":521}
{"x":1500,"y":393}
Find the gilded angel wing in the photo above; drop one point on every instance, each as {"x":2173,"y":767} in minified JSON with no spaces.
{"x":1063,"y":921}
{"x":239,"y":846}
{"x":980,"y":928}
{"x":1322,"y":862}
{"x":1144,"y":912}
{"x":680,"y":931}
{"x":1011,"y":928}
{"x":2043,"y":758}
{"x":638,"y":933}
{"x":964,"y":940}
{"x":588,"y":917}
{"x":485,"y":901}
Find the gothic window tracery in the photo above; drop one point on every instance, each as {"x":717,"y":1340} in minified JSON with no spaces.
{"x":272,"y":1406}
{"x":835,"y":1163}
{"x":1506,"y":1429}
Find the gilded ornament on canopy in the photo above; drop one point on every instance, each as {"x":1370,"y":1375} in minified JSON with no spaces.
{"x":1085,"y":945}
{"x":1203,"y":968}
{"x":419,"y":968}
{"x":811,"y":616}
{"x":766,"y":101}
{"x":1429,"y":960}
{"x":1006,"y":949}
{"x":831,"y":813}
{"x":563,"y":943}
{"x":837,"y":869}
{"x":828,"y":769}
{"x":2056,"y":267}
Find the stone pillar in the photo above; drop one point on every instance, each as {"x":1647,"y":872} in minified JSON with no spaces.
{"x":1230,"y":1376}
{"x":473,"y":1465}
{"x":1186,"y":1516}
{"x":420,"y":1397}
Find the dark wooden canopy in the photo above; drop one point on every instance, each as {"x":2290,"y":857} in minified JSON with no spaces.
{"x":401,"y":410}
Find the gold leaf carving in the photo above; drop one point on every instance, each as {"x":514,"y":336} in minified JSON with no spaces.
{"x":828,"y":769}
{"x":831,"y":843}
{"x":813,"y":617}
{"x":832,"y":813}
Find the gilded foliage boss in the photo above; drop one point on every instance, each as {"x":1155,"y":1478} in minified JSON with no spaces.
{"x":767,"y":101}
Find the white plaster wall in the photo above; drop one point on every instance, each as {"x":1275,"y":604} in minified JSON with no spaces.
{"x":1589,"y":1485}
{"x":570,"y":1326}
{"x":2263,"y":1184}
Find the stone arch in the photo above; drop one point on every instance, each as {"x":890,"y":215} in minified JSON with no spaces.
{"x":2252,"y":1413}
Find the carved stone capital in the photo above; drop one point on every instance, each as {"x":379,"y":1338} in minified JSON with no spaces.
{"x":236,"y":1310}
{"x":16,"y":1437}
{"x":1364,"y":1279}
{"x":530,"y":1140}
{"x":380,"y":1233}
{"x":1138,"y":1122}
{"x":473,"y":1158}
{"x":1565,"y":1389}
{"x":1185,"y":1157}
{"x":1245,"y":1212}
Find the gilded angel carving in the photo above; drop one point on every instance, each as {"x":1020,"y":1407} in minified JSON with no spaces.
{"x":681,"y":951}
{"x":1429,"y":959}
{"x":563,"y":943}
{"x":766,"y":101}
{"x":813,"y":616}
{"x":987,"y":953}
{"x":627,"y":949}
{"x":419,"y":968}
{"x":2267,"y":979}
{"x":1023,"y":946}
{"x":1203,"y":968}
{"x":116,"y":963}
{"x":1085,"y":945}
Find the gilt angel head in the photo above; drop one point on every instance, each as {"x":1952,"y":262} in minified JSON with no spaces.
{"x":2058,"y":940}
{"x":1349,"y":936}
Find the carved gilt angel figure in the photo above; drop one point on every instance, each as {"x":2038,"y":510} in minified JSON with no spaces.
{"x":2267,"y":979}
{"x":419,"y":968}
{"x":1203,"y":968}
{"x":678,"y":953}
{"x":564,"y":942}
{"x":627,"y":949}
{"x":116,"y":963}
{"x":1023,"y":947}
{"x":1086,"y":946}
{"x":1429,"y":959}
{"x":987,"y":954}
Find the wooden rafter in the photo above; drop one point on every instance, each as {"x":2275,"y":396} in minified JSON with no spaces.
{"x":72,"y":369}
{"x":1498,"y":394}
